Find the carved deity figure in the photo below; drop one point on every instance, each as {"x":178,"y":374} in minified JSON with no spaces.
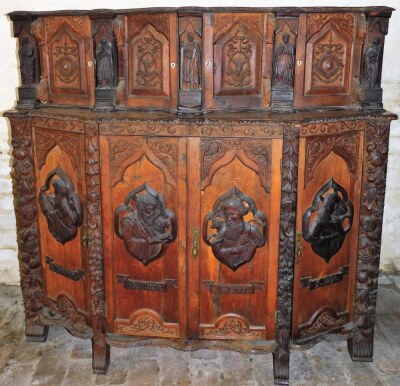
{"x":145,"y":229}
{"x":27,"y":62}
{"x":372,"y":63}
{"x":284,"y":63}
{"x":327,"y":232}
{"x":191,"y":60}
{"x":63,"y":211}
{"x":236,"y":241}
{"x":105,"y":65}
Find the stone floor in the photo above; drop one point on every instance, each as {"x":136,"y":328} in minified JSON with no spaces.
{"x":65,"y":360}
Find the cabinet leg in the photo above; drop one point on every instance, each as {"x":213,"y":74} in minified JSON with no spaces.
{"x":100,"y":355}
{"x":361,"y":348}
{"x":36,"y":332}
{"x":281,"y":366}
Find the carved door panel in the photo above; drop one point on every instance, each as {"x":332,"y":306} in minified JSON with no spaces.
{"x":234,"y":63}
{"x":232,"y":254}
{"x":152,"y":52}
{"x":327,"y":222}
{"x":144,"y":211}
{"x":60,"y":186}
{"x":328,"y":59}
{"x":68,"y":75}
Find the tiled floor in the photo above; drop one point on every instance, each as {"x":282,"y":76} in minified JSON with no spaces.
{"x":65,"y":360}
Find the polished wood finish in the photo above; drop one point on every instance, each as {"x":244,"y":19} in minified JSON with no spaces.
{"x":174,"y":204}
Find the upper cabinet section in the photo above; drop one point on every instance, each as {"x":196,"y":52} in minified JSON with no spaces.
{"x":193,"y":60}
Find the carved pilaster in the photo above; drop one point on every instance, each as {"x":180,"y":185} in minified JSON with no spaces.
{"x":290,"y":156}
{"x":101,"y":351}
{"x":29,"y":63}
{"x":284,"y":61}
{"x":371,"y":214}
{"x":27,"y":225}
{"x":106,"y":55}
{"x":371,"y":66}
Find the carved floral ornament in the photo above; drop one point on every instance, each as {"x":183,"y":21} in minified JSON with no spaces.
{"x":328,"y":230}
{"x":63,"y":209}
{"x":145,"y":224}
{"x":235,"y":241}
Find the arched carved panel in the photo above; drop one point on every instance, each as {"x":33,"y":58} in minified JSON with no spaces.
{"x":332,"y":222}
{"x":235,"y":241}
{"x":238,"y":53}
{"x":218,"y":153}
{"x":149,"y":56}
{"x":62,"y":207}
{"x":145,"y":224}
{"x":328,"y":70}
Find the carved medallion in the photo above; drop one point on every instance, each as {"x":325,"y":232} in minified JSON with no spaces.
{"x":333,"y":220}
{"x":63,"y":208}
{"x":235,"y":240}
{"x":144,"y":223}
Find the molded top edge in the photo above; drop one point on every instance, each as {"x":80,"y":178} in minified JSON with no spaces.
{"x":372,"y":11}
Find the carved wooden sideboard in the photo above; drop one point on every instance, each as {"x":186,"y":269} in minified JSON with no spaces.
{"x":162,"y":196}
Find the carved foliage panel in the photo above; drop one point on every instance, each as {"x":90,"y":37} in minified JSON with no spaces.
{"x":328,"y":52}
{"x":238,"y":54}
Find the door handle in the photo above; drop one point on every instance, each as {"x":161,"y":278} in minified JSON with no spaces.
{"x":195,"y":242}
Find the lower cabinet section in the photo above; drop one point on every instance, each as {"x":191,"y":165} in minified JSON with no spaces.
{"x":253,"y":234}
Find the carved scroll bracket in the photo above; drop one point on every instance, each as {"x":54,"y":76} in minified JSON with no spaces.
{"x":75,"y":274}
{"x":308,"y":282}
{"x":142,"y":285}
{"x":241,"y":289}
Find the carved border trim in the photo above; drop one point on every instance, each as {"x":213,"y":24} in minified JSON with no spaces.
{"x":290,"y":156}
{"x":371,"y":219}
{"x":146,"y":322}
{"x":27,"y":222}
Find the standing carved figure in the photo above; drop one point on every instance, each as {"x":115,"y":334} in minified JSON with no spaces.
{"x":27,"y":62}
{"x":191,"y":60}
{"x":63,"y":211}
{"x":104,"y":61}
{"x":372,"y":63}
{"x":146,"y":229}
{"x":284,"y":63}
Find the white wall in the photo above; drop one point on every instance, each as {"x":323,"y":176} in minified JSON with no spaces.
{"x":9,"y":272}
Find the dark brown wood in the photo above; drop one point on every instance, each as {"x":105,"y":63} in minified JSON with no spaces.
{"x":180,"y":207}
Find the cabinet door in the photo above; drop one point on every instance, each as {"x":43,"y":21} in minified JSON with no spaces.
{"x":60,"y":183}
{"x":144,"y":212}
{"x":328,"y":59}
{"x":233,"y":249}
{"x":68,"y":74}
{"x":233,"y":56}
{"x":152,"y":53}
{"x":327,"y":224}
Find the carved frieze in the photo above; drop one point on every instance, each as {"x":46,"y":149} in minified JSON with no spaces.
{"x":333,"y":220}
{"x":339,"y":126}
{"x":145,"y":224}
{"x":318,"y":148}
{"x":231,"y":326}
{"x":234,"y":241}
{"x":62,"y":208}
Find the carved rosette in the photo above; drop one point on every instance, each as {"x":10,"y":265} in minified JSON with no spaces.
{"x":290,"y":156}
{"x":25,"y":207}
{"x":63,"y":209}
{"x":234,"y":241}
{"x":333,"y":220}
{"x":371,"y":216}
{"x":145,"y":224}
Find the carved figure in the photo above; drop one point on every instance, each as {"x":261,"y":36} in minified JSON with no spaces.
{"x":104,"y":61}
{"x":191,"y":60}
{"x":27,"y":62}
{"x":372,"y":63}
{"x":327,"y":232}
{"x":63,"y":211}
{"x":146,"y":229}
{"x":284,"y":63}
{"x":236,"y":240}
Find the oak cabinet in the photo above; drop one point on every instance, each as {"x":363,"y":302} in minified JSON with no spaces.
{"x":217,"y":180}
